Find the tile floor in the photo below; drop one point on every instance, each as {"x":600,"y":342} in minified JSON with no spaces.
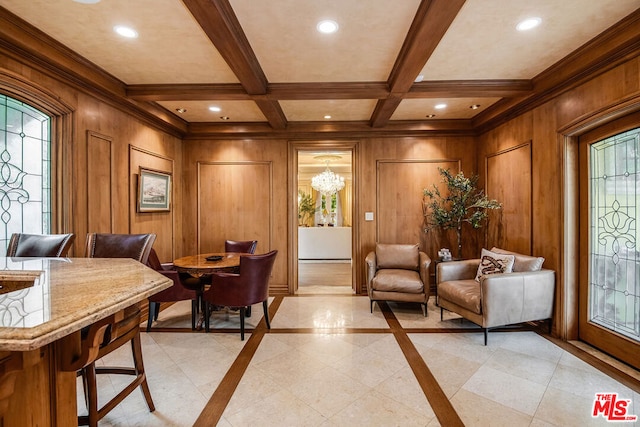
{"x":328,"y":361}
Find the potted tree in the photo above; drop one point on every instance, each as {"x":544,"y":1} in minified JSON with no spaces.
{"x":306,"y":208}
{"x":463,"y":203}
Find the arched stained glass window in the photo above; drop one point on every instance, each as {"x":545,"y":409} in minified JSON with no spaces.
{"x":25,"y":169}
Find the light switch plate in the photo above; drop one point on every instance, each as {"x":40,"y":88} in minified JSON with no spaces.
{"x":368,"y":216}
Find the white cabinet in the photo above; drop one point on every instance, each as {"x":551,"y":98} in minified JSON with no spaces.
{"x":324,"y":242}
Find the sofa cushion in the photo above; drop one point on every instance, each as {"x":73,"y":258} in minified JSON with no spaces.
{"x":465,"y":293}
{"x":397,"y":280}
{"x":494,"y":263}
{"x":397,"y":256}
{"x":522,"y":262}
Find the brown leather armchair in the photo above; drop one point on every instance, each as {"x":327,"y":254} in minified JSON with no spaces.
{"x":177,"y":292}
{"x":111,"y":333}
{"x":398,"y":272}
{"x":39,"y":245}
{"x":248,"y":287}
{"x":523,"y":295}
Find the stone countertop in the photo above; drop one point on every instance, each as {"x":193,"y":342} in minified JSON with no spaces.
{"x":55,"y":297}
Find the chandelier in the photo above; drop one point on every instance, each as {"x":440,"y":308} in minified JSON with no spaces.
{"x":327,"y":182}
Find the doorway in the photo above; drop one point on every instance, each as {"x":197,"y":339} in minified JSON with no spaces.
{"x":323,"y":237}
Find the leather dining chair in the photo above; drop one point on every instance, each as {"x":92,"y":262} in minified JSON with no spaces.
{"x":177,"y":291}
{"x":249,"y":286}
{"x":242,"y":246}
{"x":39,"y":245}
{"x":111,"y":333}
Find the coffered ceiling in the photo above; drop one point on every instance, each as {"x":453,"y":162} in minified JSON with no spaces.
{"x":265,"y":62}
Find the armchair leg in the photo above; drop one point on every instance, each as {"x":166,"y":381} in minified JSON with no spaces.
{"x":156,"y":311}
{"x":247,"y":312}
{"x":425,"y":312}
{"x":486,"y":332}
{"x":266,"y":313}
{"x":371,"y":305}
{"x":441,"y":313}
{"x":242,"y":309}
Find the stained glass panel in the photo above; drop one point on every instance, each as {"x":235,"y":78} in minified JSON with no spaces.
{"x":25,"y":167}
{"x":614,"y":282}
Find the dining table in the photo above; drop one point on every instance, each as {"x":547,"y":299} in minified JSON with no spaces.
{"x":202,"y":265}
{"x":207,"y":263}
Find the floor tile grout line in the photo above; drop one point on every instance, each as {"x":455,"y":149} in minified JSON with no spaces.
{"x":220,"y":398}
{"x":611,"y":371}
{"x":440,"y":404}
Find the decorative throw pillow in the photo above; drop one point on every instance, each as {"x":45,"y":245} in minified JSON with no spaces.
{"x":522,"y":262}
{"x":494,"y":263}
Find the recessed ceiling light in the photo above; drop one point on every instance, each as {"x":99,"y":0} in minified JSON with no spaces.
{"x":215,"y":109}
{"x":528,"y":24}
{"x":87,"y":1}
{"x":430,"y":116}
{"x":127,"y":32}
{"x":474,"y":106}
{"x":224,"y":117}
{"x":327,"y":117}
{"x":440,"y":106}
{"x":327,"y":26}
{"x":181,"y":110}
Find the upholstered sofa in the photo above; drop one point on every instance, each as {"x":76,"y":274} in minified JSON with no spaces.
{"x":398,"y":272}
{"x":480,"y":290}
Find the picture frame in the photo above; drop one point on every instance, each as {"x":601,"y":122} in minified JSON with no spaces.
{"x":154,"y":191}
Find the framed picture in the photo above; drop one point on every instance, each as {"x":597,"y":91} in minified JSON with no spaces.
{"x":154,"y":191}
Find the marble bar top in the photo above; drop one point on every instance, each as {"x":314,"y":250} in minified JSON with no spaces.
{"x":46,"y":299}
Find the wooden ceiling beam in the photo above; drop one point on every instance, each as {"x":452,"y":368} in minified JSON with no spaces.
{"x":470,"y":89}
{"x":221,"y":25}
{"x":272,"y":111}
{"x":312,"y":130}
{"x":330,"y":90}
{"x":187,"y":92}
{"x":431,"y":22}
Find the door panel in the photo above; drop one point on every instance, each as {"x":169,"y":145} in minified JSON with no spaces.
{"x":609,"y":234}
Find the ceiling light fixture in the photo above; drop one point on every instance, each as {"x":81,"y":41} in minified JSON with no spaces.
{"x":87,"y":1}
{"x":127,"y":32}
{"x":327,"y":182}
{"x":215,"y":109}
{"x":327,"y":117}
{"x":181,"y":110}
{"x":430,"y":116}
{"x":474,"y":106}
{"x":528,"y":24}
{"x":440,"y":106}
{"x":327,"y":26}
{"x":224,"y":117}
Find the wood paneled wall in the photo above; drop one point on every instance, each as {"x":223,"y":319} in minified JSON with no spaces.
{"x":235,"y":202}
{"x":98,"y":150}
{"x":508,"y":180}
{"x":237,"y":190}
{"x":551,"y":130}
